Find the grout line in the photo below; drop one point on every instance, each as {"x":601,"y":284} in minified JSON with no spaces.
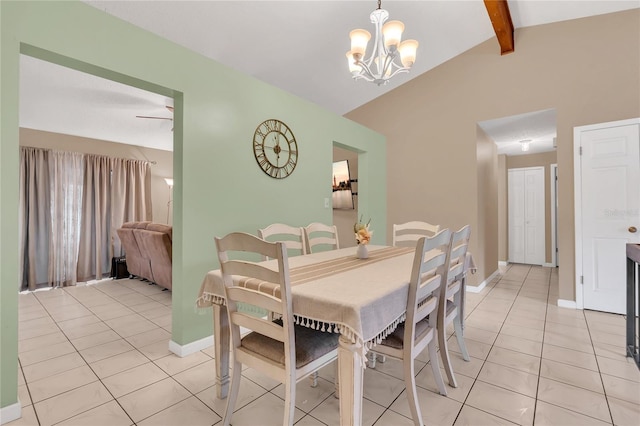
{"x":606,"y":397}
{"x":33,"y":404}
{"x":544,"y":329}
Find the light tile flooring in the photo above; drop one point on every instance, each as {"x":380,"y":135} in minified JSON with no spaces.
{"x":98,"y":355}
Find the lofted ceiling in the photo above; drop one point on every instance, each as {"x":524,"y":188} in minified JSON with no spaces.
{"x":298,"y":46}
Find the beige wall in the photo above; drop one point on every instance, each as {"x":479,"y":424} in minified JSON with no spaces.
{"x":486,"y":233}
{"x":587,"y":69}
{"x":162,"y":169}
{"x":543,"y":159}
{"x":503,"y":230}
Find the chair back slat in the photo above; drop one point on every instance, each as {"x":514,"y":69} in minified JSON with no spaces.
{"x":292,"y":237}
{"x":252,"y":271}
{"x":426,"y":307}
{"x":319,"y":234}
{"x":259,"y":325}
{"x":256,"y":298}
{"x":408,"y":233}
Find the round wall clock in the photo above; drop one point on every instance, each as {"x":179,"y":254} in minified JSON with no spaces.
{"x":275,"y":148}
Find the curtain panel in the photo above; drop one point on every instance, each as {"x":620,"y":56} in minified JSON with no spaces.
{"x":34,"y":218}
{"x":71,"y":205}
{"x":126,"y":198}
{"x":66,"y":170}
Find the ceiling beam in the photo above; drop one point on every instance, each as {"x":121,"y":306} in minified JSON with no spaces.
{"x":500,"y":16}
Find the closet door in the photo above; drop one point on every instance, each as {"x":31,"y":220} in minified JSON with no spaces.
{"x":516,"y":215}
{"x":526,"y":216}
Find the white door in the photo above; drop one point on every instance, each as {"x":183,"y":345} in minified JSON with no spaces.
{"x":515,"y":197}
{"x":526,"y":215}
{"x":610,"y":190}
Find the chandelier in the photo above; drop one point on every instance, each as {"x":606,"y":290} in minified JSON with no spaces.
{"x":389,"y":56}
{"x":524,"y":144}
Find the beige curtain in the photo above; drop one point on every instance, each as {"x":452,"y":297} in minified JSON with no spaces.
{"x":94,"y":251}
{"x":115,"y":191}
{"x":66,"y":181}
{"x":70,"y":207}
{"x":34,"y":218}
{"x":130,"y":196}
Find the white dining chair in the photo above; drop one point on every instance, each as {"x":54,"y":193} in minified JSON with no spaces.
{"x":292,"y":237}
{"x":451,"y":299}
{"x":407,"y":234}
{"x":419,"y":330}
{"x":279,"y":349}
{"x":318,"y":234}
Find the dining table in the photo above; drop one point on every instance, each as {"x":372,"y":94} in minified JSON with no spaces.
{"x":332,"y":291}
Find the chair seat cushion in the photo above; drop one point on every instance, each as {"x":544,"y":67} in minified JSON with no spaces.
{"x":310,"y":345}
{"x":396,"y":339}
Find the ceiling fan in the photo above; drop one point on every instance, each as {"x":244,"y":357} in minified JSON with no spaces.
{"x":170,"y":108}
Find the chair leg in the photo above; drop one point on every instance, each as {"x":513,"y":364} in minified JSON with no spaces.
{"x":372,"y":357}
{"x":444,"y":354}
{"x":234,"y":388}
{"x":313,"y":378}
{"x":457,"y":325}
{"x":336,"y":381}
{"x":289,"y":401}
{"x":412,"y":394}
{"x":435,"y":366}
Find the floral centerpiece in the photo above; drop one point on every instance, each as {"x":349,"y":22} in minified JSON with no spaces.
{"x":363,"y":237}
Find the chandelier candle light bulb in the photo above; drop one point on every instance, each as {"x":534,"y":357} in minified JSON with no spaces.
{"x":389,"y":55}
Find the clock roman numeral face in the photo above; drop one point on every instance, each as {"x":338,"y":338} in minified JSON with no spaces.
{"x":275,"y":149}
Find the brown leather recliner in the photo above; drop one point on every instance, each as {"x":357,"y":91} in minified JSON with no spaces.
{"x":148,"y":251}
{"x":137,"y":264}
{"x":156,"y":244}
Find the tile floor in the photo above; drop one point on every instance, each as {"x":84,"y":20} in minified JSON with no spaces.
{"x":98,"y":355}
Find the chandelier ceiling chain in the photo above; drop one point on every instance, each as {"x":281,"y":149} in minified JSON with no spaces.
{"x":389,"y":55}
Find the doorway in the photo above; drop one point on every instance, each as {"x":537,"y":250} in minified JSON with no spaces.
{"x":345,"y":214}
{"x":607,"y":210}
{"x":80,"y":321}
{"x":554,"y":215}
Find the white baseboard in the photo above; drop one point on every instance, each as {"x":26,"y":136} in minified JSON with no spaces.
{"x":190,"y":348}
{"x":571,"y":304}
{"x":503,"y":263}
{"x":549,"y":265}
{"x":483,"y":284}
{"x":475,"y":288}
{"x":10,"y":413}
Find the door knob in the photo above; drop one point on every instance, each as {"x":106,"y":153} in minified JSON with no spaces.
{"x":633,"y":229}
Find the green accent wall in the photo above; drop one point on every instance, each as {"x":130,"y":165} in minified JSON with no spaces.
{"x":218,"y":185}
